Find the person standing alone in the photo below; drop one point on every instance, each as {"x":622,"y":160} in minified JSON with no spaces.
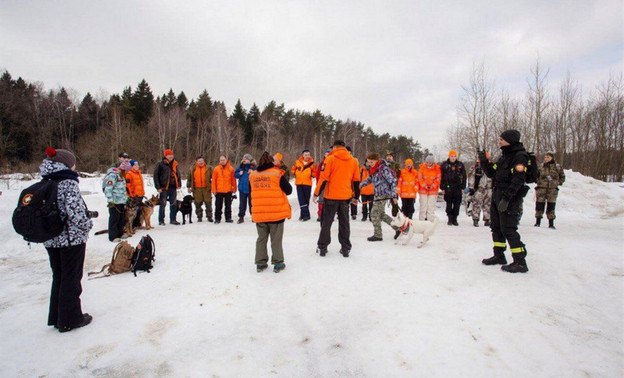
{"x":452,"y":185}
{"x":549,"y":179}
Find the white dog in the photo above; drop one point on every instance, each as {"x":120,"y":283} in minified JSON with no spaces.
{"x":410,"y":227}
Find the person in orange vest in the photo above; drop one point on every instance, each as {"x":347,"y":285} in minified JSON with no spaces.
{"x":199,"y":183}
{"x":223,"y":186}
{"x":339,"y":185}
{"x":167,"y":180}
{"x":269,"y":191}
{"x":319,"y":205}
{"x":429,"y":176}
{"x":136,"y":188}
{"x":304,"y":170}
{"x":367,"y":193}
{"x":407,"y":188}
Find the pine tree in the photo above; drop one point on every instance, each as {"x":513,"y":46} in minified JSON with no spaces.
{"x":239,"y":115}
{"x":143,"y":103}
{"x":182,"y":101}
{"x":253,"y":118}
{"x":168,"y":100}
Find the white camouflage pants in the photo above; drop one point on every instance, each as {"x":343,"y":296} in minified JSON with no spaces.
{"x":481,"y":202}
{"x":427,"y":206}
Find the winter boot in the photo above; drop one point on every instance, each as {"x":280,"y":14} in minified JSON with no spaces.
{"x":354,"y":216}
{"x":240,"y":220}
{"x":174,"y":222}
{"x":86,"y":319}
{"x":538,"y":222}
{"x":161,"y":223}
{"x":374,"y":238}
{"x":278,"y":268}
{"x":475,"y":222}
{"x":364,"y":218}
{"x":261,"y":267}
{"x":210,"y":220}
{"x":497,"y":259}
{"x":321,"y":252}
{"x":344,"y":252}
{"x":455,"y":220}
{"x":486,"y":223}
{"x":551,"y":224}
{"x":217,"y":221}
{"x":450,"y":220}
{"x":229,"y":221}
{"x":518,"y":265}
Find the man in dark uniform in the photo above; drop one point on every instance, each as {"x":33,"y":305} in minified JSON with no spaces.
{"x":509,"y":188}
{"x":452,"y":185}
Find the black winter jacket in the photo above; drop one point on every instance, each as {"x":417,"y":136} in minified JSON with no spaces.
{"x":508,"y":182}
{"x":453,"y":175}
{"x":163,"y":175}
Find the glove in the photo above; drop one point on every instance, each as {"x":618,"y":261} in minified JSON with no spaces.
{"x":502,"y":205}
{"x":234,"y":196}
{"x":111,"y":205}
{"x":482,"y":155}
{"x":472,"y":192}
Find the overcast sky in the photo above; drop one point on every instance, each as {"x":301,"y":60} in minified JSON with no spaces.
{"x":396,"y":66}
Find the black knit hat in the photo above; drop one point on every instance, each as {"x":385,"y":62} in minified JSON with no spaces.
{"x":511,"y":136}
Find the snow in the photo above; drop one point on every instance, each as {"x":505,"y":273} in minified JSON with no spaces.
{"x":385,"y":311}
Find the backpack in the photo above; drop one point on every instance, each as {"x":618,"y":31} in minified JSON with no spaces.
{"x":37,"y":216}
{"x":120,"y":262}
{"x":144,"y":255}
{"x":532,"y":170}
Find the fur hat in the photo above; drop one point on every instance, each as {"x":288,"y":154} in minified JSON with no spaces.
{"x":61,"y":156}
{"x":429,"y":159}
{"x":373,"y":156}
{"x":168,"y":152}
{"x":511,"y":136}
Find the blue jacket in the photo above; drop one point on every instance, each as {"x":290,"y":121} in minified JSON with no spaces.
{"x":384,"y":181}
{"x":242,"y":174}
{"x":114,"y":187}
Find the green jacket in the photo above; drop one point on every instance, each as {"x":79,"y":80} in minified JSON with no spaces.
{"x":550,"y":176}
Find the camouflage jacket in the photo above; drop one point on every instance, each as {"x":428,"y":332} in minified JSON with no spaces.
{"x":550,"y":176}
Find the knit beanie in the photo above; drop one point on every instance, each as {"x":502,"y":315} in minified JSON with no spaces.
{"x":452,"y":153}
{"x":278,"y":156}
{"x":168,"y":152}
{"x":61,"y":156}
{"x":133,"y":162}
{"x":511,"y":136}
{"x":551,"y":154}
{"x":430,"y":159}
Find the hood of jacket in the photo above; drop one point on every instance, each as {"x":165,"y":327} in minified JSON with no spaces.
{"x":48,"y":167}
{"x":341,"y":153}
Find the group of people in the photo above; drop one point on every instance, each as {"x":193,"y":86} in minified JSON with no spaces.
{"x":341,"y":184}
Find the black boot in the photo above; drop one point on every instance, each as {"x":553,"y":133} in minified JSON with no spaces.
{"x":374,"y":238}
{"x":455,"y":220}
{"x":519,"y":264}
{"x":450,"y":220}
{"x":475,"y":222}
{"x":538,"y":222}
{"x":551,"y":224}
{"x":240,"y":220}
{"x":497,"y":259}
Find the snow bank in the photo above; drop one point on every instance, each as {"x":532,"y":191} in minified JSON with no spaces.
{"x":385,"y":311}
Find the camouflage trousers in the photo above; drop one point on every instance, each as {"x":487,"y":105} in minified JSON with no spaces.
{"x":481,"y":202}
{"x":202,"y":196}
{"x":543,"y":196}
{"x":378,"y":214}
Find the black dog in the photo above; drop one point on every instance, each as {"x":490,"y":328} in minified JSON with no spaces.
{"x":186,"y":208}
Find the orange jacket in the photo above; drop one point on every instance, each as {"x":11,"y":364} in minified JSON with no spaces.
{"x":134,"y":183}
{"x":223,"y":180}
{"x":429,"y":179}
{"x":269,"y":202}
{"x":407,"y":187}
{"x":340,"y":170}
{"x":304,"y":176}
{"x":368,"y":190}
{"x":200,"y":177}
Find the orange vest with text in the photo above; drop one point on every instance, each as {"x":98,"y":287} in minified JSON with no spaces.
{"x":268,"y":202}
{"x":407,"y":187}
{"x":429,"y":177}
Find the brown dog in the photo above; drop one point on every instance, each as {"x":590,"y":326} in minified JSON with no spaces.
{"x":131,"y":212}
{"x":147,"y":210}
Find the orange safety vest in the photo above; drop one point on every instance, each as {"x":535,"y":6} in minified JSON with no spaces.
{"x":268,"y":201}
{"x":369,"y":189}
{"x":304,"y":176}
{"x":134,"y":183}
{"x":429,"y":177}
{"x":408,"y":183}
{"x":199,"y":177}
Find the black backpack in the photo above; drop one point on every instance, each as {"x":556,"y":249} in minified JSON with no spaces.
{"x":37,"y":216}
{"x":532,"y":170}
{"x":144,"y":255}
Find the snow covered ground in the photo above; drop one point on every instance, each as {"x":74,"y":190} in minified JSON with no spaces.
{"x":385,"y":311}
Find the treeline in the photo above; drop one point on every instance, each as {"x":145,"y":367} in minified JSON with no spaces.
{"x":584,"y":129}
{"x":143,"y":125}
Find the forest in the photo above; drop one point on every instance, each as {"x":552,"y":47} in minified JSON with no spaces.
{"x":144,"y":125}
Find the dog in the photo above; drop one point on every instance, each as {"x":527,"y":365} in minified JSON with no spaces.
{"x":131,"y":212}
{"x":147,"y":210}
{"x":186,"y":208}
{"x":410,"y":227}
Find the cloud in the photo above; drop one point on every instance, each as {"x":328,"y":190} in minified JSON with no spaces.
{"x":396,"y":66}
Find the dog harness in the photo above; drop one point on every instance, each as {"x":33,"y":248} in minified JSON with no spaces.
{"x":405,"y":228}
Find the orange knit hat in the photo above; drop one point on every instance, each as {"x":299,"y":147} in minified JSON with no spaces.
{"x":278,"y":156}
{"x":452,"y":153}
